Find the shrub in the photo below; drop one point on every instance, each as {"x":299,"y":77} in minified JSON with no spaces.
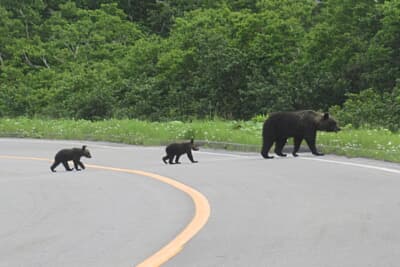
{"x":371,"y":109}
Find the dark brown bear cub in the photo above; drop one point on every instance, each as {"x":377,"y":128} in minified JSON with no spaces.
{"x":297,"y":124}
{"x":175,"y":150}
{"x":74,"y":154}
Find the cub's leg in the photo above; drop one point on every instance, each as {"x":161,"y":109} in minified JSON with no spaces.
{"x":66,"y":166}
{"x":165,"y":159}
{"x":190,"y":156}
{"x":171,"y":158}
{"x":55,"y":164}
{"x":177,"y":159}
{"x":78,"y":163}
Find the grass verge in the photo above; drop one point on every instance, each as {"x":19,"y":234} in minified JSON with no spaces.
{"x":238,"y":135}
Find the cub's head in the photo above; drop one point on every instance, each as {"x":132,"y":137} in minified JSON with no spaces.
{"x":193,"y":146}
{"x":85,"y":152}
{"x":328,"y":124}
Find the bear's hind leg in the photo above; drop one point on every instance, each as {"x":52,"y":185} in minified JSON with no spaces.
{"x":165,"y":159}
{"x":279,"y":144}
{"x":177,"y":159}
{"x":265,"y":149}
{"x":297,"y":143}
{"x":55,"y":164}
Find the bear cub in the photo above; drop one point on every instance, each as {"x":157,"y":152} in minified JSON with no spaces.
{"x":74,"y":154}
{"x":175,"y":150}
{"x":300,"y":125}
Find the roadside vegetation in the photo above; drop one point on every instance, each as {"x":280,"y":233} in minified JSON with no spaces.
{"x":138,"y":71}
{"x":181,"y":60}
{"x":379,"y":144}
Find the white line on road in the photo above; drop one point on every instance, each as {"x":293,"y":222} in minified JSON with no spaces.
{"x":355,"y":165}
{"x":360,"y":165}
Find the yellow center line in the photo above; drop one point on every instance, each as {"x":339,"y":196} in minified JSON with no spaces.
{"x":200,"y":218}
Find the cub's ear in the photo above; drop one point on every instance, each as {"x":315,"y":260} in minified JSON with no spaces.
{"x":326,"y":116}
{"x":191,"y":141}
{"x":83,"y":147}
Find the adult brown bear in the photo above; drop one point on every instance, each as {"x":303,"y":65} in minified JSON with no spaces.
{"x":300,"y":125}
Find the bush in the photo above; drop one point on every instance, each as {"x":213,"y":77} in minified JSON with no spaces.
{"x":371,"y":109}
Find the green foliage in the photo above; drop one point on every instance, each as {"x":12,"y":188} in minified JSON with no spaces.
{"x":240,"y":135}
{"x":191,"y":59}
{"x":371,"y":109}
{"x":363,"y":109}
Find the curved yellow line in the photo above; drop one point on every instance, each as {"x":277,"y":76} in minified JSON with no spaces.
{"x":200,"y":218}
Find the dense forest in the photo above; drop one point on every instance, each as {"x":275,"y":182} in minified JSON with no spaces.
{"x":194,"y":59}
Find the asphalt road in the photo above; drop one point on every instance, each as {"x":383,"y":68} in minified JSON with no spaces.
{"x":306,"y":211}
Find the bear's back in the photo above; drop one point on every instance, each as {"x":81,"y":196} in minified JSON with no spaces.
{"x":284,"y":120}
{"x":294,"y":117}
{"x":68,"y":154}
{"x":290,"y":123}
{"x":178,"y":148}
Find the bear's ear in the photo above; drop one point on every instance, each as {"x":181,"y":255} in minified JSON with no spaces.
{"x":191,"y":141}
{"x":326,"y":116}
{"x":83,"y":147}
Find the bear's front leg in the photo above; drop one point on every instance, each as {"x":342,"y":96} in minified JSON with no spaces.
{"x":66,"y":166}
{"x":171,"y":159}
{"x":76,"y":164}
{"x":313,"y":148}
{"x":190,"y":156}
{"x":80,"y":163}
{"x":279,"y":144}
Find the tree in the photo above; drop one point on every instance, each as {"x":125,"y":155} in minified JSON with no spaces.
{"x":381,"y":60}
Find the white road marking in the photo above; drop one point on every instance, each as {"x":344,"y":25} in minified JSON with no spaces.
{"x":360,"y":165}
{"x":231,"y":155}
{"x":355,"y":165}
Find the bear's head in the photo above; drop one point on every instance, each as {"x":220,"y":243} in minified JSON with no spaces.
{"x":85,"y":152}
{"x":327,"y":124}
{"x":193,"y":146}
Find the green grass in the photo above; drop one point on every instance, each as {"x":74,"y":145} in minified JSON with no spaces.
{"x":133,"y":131}
{"x":376,"y":143}
{"x":239,"y":135}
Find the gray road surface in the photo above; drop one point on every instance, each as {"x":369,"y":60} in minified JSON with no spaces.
{"x":307,"y":211}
